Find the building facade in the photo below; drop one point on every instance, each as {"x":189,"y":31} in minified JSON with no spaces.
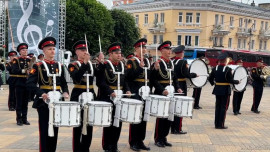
{"x":202,"y":23}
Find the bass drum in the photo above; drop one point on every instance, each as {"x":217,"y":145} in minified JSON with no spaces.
{"x":199,"y":67}
{"x":239,"y":73}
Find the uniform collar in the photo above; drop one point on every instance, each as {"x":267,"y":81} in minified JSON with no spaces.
{"x":177,"y":58}
{"x":222,"y":64}
{"x":138,"y":57}
{"x":22,"y":57}
{"x":49,"y":62}
{"x":114,"y":63}
{"x":166,"y":60}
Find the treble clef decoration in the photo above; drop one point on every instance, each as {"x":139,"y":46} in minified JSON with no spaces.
{"x":30,"y":29}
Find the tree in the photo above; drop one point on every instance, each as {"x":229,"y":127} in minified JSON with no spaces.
{"x":125,"y":30}
{"x":91,"y":18}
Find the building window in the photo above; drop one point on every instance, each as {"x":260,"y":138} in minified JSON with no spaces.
{"x":252,"y":44}
{"x":215,"y":41}
{"x":155,"y":39}
{"x":216,"y":19}
{"x":145,"y":36}
{"x":221,"y":41}
{"x":179,"y":38}
{"x":230,"y":43}
{"x":239,"y":44}
{"x":145,"y":18}
{"x":260,"y":45}
{"x":160,"y":39}
{"x":254,"y":25}
{"x":266,"y":26}
{"x":156,"y":18}
{"x":222,"y":19}
{"x":196,"y":40}
{"x":180,"y":18}
{"x":262,"y":25}
{"x":240,"y":22}
{"x":189,"y":18}
{"x":265,"y":45}
{"x":161,"y":17}
{"x":188,"y":40}
{"x":244,"y":44}
{"x":198,"y":16}
{"x":231,"y":21}
{"x":137,"y":19}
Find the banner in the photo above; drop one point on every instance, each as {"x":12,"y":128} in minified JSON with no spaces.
{"x":32,"y":20}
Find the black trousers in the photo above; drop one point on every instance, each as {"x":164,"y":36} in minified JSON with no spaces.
{"x":237,"y":100}
{"x":162,"y":129}
{"x":222,"y":104}
{"x":111,"y":135}
{"x":196,"y":95}
{"x":46,"y":143}
{"x":21,"y":102}
{"x":81,"y":143}
{"x":257,"y":96}
{"x":176,"y":125}
{"x":11,"y":97}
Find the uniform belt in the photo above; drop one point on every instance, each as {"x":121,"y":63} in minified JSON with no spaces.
{"x":164,"y":81}
{"x":225,"y":83}
{"x":49,"y":87}
{"x":21,"y":76}
{"x":83,"y":86}
{"x":141,"y":80}
{"x":181,"y":79}
{"x":115,"y":87}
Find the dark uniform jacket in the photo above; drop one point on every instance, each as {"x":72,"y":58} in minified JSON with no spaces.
{"x":181,"y":72}
{"x":136,"y":76}
{"x":220,"y":76}
{"x":38,"y":75}
{"x":18,"y":65}
{"x":255,"y":74}
{"x":11,"y":79}
{"x":107,"y":81}
{"x":76,"y":72}
{"x":160,"y":78}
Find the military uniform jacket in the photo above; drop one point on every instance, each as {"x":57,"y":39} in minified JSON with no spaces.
{"x":107,"y":81}
{"x":11,"y":78}
{"x":76,"y":72}
{"x":181,"y":72}
{"x":221,"y":75}
{"x":160,"y":78}
{"x":136,"y":76}
{"x":38,"y":75}
{"x":255,"y":74}
{"x":18,"y":66}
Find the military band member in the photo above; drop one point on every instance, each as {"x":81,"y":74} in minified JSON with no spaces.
{"x":107,"y":83}
{"x":221,"y":76}
{"x":238,"y":96}
{"x":181,"y":73}
{"x":41,"y":57}
{"x":41,"y":84}
{"x":160,"y":79}
{"x":30,"y":55}
{"x":258,"y":80}
{"x":136,"y":79}
{"x":77,"y":69}
{"x":20,"y":71}
{"x":11,"y":82}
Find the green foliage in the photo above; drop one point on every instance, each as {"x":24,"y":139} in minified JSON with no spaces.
{"x":125,"y":30}
{"x":91,"y":18}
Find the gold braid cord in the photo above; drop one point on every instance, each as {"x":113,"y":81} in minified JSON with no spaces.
{"x":164,"y":76}
{"x":49,"y":82}
{"x":111,"y":80}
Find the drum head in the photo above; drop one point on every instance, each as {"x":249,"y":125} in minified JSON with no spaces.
{"x":200,"y":68}
{"x":131,"y":100}
{"x":159,"y":96}
{"x":240,"y":73}
{"x":99,"y":103}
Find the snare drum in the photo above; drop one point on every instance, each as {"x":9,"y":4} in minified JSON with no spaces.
{"x":183,"y":106}
{"x":159,"y":106}
{"x":131,"y":110}
{"x":66,"y":114}
{"x":239,"y":73}
{"x":199,"y":67}
{"x":99,"y":113}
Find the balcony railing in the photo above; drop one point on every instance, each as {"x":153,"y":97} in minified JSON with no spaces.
{"x":264,"y":34}
{"x":157,"y":27}
{"x":221,"y":30}
{"x":243,"y":32}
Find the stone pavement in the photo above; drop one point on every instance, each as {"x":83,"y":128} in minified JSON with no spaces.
{"x":246,"y":132}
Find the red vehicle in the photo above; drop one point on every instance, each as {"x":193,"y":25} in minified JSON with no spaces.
{"x":249,"y":57}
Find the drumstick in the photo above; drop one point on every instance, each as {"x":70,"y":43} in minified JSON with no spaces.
{"x":243,"y":78}
{"x":204,"y":75}
{"x":99,"y":44}
{"x":156,"y":53}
